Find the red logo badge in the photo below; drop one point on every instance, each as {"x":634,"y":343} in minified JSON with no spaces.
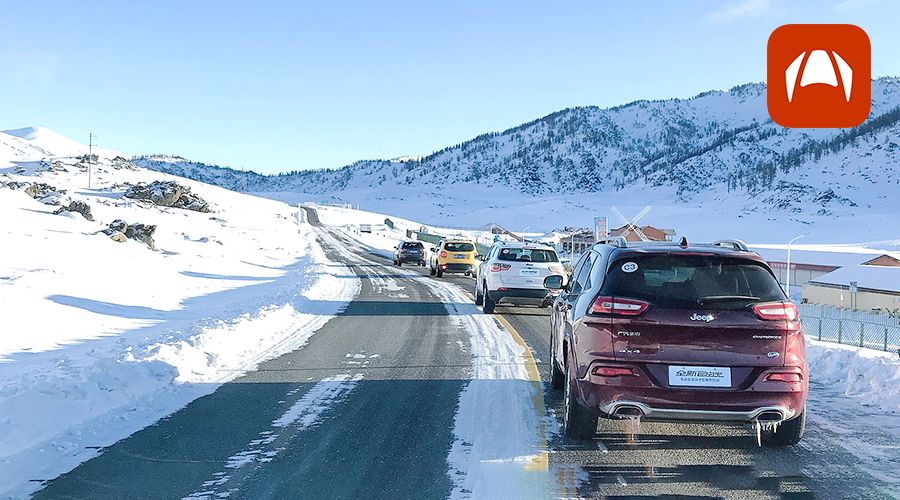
{"x":819,"y":75}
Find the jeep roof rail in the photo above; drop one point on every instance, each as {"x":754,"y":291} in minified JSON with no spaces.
{"x":618,"y":241}
{"x":736,"y":244}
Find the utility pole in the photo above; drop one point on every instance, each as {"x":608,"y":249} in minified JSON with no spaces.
{"x":788,"y":277}
{"x":89,"y":158}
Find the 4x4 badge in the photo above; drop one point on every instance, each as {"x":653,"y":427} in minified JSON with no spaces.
{"x":702,"y":317}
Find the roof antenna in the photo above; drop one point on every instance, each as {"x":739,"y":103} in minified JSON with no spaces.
{"x":684,"y":242}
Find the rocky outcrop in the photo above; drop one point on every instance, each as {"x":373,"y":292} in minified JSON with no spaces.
{"x":119,"y":230}
{"x":168,"y":194}
{"x":77,"y":206}
{"x":44,"y":193}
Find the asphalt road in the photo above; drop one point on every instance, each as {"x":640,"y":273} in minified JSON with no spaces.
{"x":371,"y":401}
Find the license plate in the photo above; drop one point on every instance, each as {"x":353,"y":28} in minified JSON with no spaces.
{"x":700,"y":376}
{"x":528,"y":272}
{"x":460,"y":256}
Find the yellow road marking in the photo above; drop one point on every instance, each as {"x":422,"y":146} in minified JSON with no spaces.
{"x":541,"y":461}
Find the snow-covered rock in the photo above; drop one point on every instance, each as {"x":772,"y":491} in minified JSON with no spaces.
{"x":168,"y":194}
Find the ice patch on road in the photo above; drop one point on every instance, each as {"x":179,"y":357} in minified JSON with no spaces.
{"x":308,"y":410}
{"x":305,"y":414}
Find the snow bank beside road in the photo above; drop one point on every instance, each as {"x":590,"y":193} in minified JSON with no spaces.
{"x":865,"y":375}
{"x":102,"y":338}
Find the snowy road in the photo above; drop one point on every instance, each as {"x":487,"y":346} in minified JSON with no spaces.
{"x":410,"y":393}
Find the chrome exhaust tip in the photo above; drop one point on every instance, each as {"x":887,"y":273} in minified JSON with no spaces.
{"x":770,"y":417}
{"x":628,"y":411}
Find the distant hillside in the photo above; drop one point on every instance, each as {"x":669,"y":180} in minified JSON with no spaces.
{"x":713,"y":146}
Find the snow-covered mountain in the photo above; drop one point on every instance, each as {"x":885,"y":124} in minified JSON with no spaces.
{"x":38,"y":142}
{"x":712,"y":148}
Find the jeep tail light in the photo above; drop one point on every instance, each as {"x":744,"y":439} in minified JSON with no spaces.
{"x":784,"y":377}
{"x":496,"y":268}
{"x":776,"y":311}
{"x":612,"y":371}
{"x":620,"y":306}
{"x":443,"y":254}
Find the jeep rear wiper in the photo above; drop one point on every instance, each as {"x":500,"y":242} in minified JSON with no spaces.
{"x":721,"y":298}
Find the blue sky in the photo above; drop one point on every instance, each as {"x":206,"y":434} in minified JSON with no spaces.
{"x":275,"y":86}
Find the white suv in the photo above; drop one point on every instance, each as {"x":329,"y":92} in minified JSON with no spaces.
{"x":513,"y":273}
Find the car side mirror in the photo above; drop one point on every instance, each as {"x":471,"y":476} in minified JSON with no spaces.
{"x":553,"y":282}
{"x":434,"y":249}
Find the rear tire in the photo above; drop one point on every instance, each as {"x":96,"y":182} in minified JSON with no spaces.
{"x":487,"y":305}
{"x":557,"y":376}
{"x":439,"y":273}
{"x":430,"y":271}
{"x":479,"y":298}
{"x":578,"y":422}
{"x":422,"y":263}
{"x":787,"y":433}
{"x":399,"y":263}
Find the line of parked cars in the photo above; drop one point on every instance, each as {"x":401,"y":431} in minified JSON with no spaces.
{"x":671,"y":331}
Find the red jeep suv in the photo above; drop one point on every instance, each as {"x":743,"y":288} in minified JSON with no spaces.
{"x":678,"y":332}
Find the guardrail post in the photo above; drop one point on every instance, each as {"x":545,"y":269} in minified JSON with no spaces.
{"x":840,"y":330}
{"x":820,"y":329}
{"x":862,"y":332}
{"x":885,"y":339}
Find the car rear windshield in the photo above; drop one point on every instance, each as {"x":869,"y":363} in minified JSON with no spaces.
{"x":412,"y":245}
{"x":459,"y":247}
{"x":690,"y":281}
{"x":527,"y":255}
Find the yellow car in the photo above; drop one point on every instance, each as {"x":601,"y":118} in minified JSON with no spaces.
{"x":452,"y":256}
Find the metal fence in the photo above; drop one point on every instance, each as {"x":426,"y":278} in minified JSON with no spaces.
{"x":852,"y":327}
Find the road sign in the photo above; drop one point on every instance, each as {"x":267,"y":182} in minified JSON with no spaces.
{"x":601,"y":228}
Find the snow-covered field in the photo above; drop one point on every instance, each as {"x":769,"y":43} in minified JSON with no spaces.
{"x":102,"y":338}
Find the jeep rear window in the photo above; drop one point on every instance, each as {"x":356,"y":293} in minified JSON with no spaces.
{"x":691,"y":281}
{"x":527,"y":255}
{"x":459,"y":247}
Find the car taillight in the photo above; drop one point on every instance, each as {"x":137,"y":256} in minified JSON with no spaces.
{"x":784,"y":377}
{"x":617,"y":305}
{"x":776,"y":311}
{"x":496,"y":268}
{"x":443,"y":254}
{"x":612,"y":371}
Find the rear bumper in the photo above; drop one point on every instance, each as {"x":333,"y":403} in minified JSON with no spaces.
{"x":640,"y":395}
{"x":521,"y":295}
{"x":456,"y":268}
{"x":625,"y":409}
{"x":412,"y":258}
